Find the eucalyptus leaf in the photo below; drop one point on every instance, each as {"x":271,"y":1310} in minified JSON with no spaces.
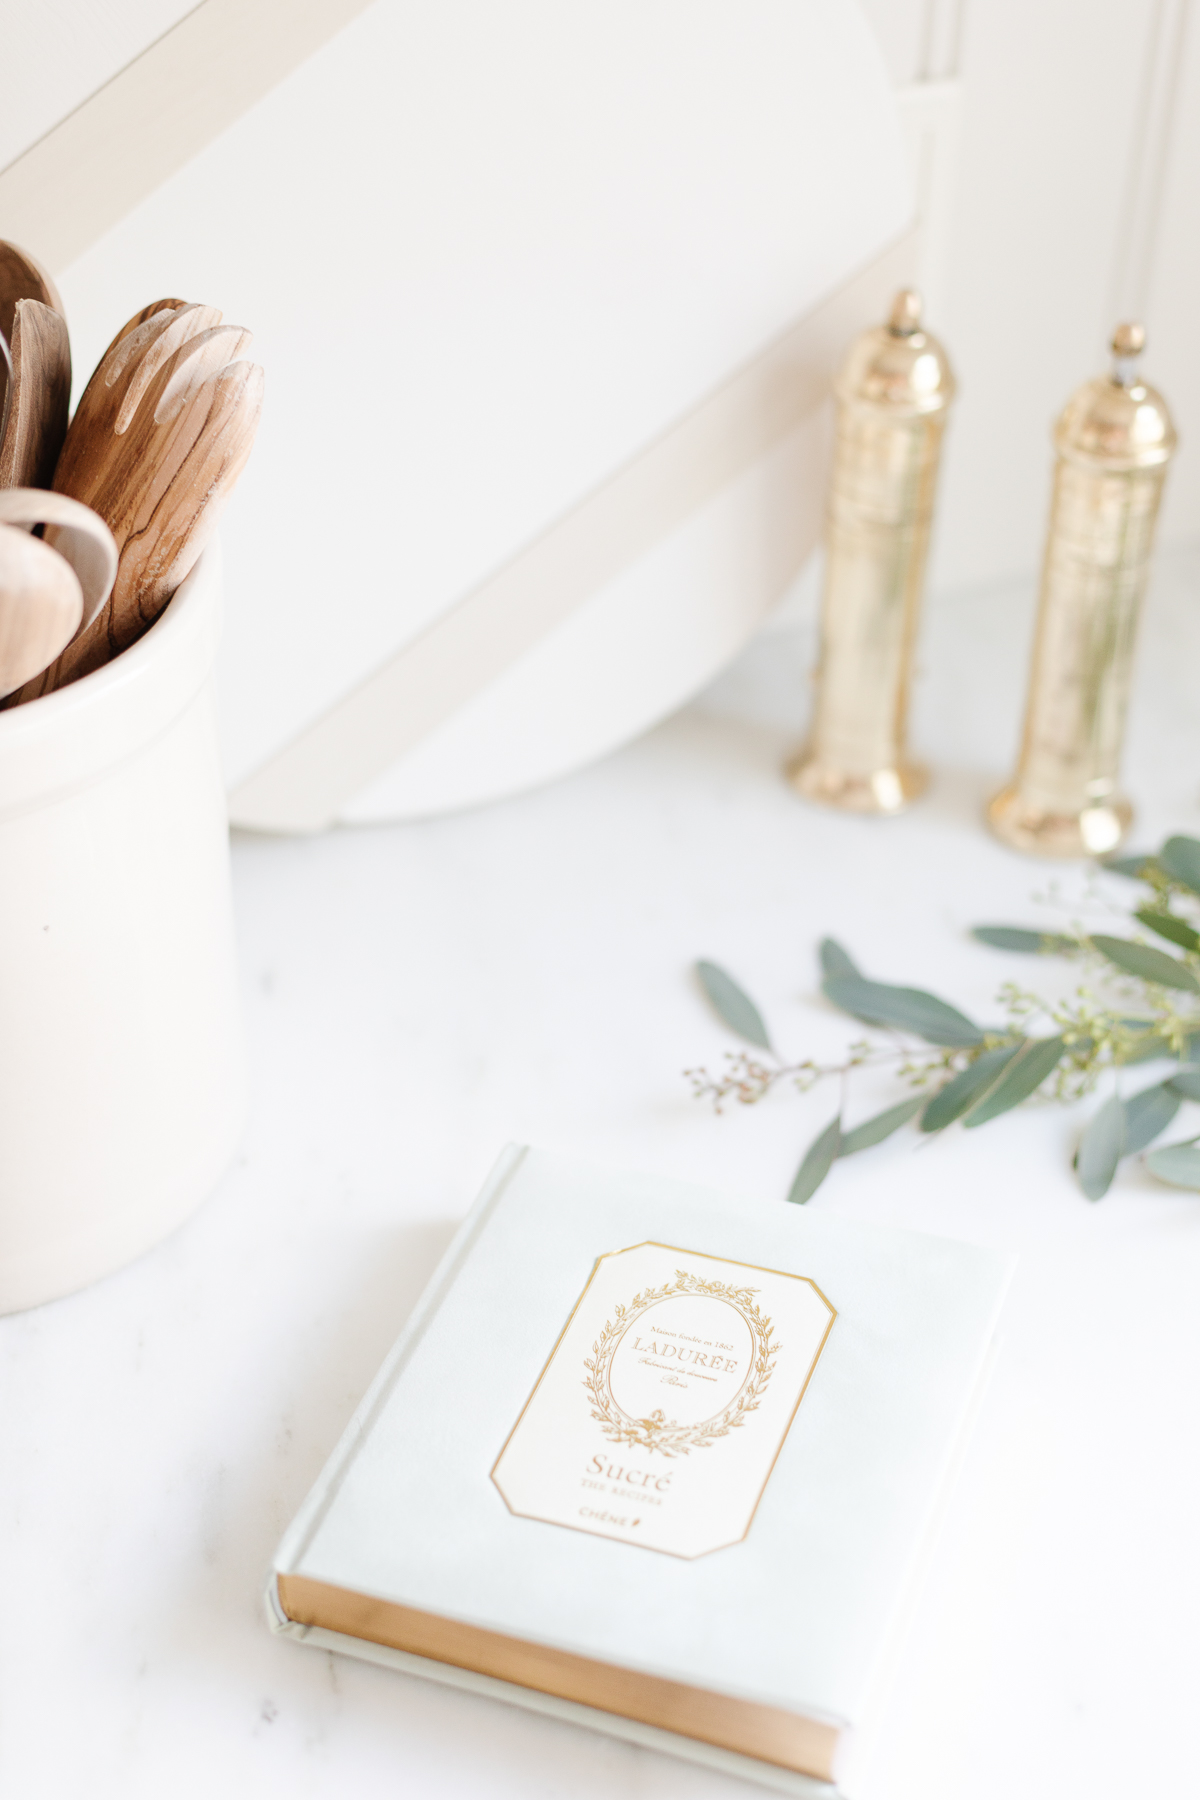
{"x":1176,"y":931}
{"x":1148,"y":1114}
{"x":873,"y":1131}
{"x":1180,"y":857}
{"x":1020,"y":939}
{"x":962,"y":1090}
{"x":1178,"y":1164}
{"x":1186,"y":1084}
{"x":1037,"y":1058}
{"x":835,"y":960}
{"x":819,"y":1159}
{"x":1100,"y":1149}
{"x":904,"y":1009}
{"x":732,"y":1005}
{"x":1147,"y":963}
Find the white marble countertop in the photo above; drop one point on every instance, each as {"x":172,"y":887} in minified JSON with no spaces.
{"x":417,"y":996}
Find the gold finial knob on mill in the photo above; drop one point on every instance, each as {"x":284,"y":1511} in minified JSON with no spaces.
{"x":1113,"y":442}
{"x":892,"y":395}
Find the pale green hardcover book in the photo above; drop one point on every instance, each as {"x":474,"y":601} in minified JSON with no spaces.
{"x":658,"y":1461}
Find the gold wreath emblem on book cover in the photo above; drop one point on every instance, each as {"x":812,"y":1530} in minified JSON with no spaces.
{"x":705,"y":1342}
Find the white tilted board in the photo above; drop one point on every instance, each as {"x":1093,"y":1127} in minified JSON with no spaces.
{"x":497,"y":261}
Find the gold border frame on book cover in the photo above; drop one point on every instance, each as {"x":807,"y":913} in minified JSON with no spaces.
{"x":650,"y":1491}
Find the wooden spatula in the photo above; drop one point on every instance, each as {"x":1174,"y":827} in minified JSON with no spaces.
{"x":44,"y":351}
{"x":40,"y":606}
{"x":22,"y":277}
{"x":39,"y":399}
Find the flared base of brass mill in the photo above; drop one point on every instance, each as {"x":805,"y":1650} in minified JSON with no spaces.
{"x":1093,"y":831}
{"x":882,"y":791}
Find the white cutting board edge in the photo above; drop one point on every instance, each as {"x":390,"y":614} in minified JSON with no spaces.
{"x":692,"y":602}
{"x":637,"y":649}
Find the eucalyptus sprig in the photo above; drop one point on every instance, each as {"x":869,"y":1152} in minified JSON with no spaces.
{"x":1136,"y":1003}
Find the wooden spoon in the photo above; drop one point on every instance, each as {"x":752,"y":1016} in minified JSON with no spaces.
{"x":41,"y":603}
{"x":39,"y":396}
{"x":78,"y":534}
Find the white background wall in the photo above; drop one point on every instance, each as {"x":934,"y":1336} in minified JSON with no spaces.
{"x":65,"y":50}
{"x":1077,"y":198}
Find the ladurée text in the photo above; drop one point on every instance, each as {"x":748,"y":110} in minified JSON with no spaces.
{"x":678,"y":1351}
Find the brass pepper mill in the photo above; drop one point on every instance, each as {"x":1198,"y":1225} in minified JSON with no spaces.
{"x":1114,"y":441}
{"x":892,"y":393}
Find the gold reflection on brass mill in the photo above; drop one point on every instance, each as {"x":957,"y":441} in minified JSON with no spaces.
{"x":892,"y":394}
{"x":1114,"y":441}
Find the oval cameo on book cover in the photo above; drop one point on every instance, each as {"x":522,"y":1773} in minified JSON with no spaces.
{"x":663,"y":1407}
{"x":689,"y":1357}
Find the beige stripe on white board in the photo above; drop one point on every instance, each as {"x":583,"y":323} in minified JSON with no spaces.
{"x":304,"y":785}
{"x":84,"y":176}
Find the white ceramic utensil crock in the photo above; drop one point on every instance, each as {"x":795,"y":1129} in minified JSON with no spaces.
{"x":122,"y":1069}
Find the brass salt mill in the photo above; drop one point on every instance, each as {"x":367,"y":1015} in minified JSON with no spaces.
{"x":892,"y":396}
{"x":1113,"y":442}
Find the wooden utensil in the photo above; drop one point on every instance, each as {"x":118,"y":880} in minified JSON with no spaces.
{"x":121,"y":378}
{"x":163,"y":495}
{"x":41,"y":604}
{"x":39,"y":396}
{"x":6,"y":370}
{"x":157,"y":455}
{"x":22,"y":277}
{"x":78,"y":534}
{"x":139,"y":318}
{"x":43,"y":352}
